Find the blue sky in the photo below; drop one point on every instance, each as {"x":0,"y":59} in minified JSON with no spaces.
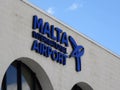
{"x":97,"y":19}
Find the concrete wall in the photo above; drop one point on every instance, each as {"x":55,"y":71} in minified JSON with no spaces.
{"x":100,"y":68}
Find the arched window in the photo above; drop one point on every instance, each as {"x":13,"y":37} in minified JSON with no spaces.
{"x":81,"y":86}
{"x":20,"y":77}
{"x":76,"y":87}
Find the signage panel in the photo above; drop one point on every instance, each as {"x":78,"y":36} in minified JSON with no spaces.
{"x":51,"y":41}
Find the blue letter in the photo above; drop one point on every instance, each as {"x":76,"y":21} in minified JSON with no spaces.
{"x":37,"y":24}
{"x":64,"y":59}
{"x":35,"y":46}
{"x":58,"y":31}
{"x":49,"y":51}
{"x":54,"y":55}
{"x":46,"y":29}
{"x":64,"y":39}
{"x":44,"y":52}
{"x":60,"y":58}
{"x":52,"y":32}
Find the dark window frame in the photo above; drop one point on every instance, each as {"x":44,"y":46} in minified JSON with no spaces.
{"x":18,"y":65}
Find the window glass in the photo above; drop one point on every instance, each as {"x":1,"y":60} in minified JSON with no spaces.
{"x":26,"y":79}
{"x":20,"y":77}
{"x":25,"y":85}
{"x":11,"y":78}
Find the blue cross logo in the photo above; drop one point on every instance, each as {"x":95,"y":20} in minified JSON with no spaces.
{"x":77,"y":52}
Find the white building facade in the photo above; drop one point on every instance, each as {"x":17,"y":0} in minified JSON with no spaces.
{"x":39,"y":52}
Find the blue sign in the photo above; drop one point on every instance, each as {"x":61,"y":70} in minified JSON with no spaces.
{"x":51,"y":41}
{"x":77,"y":52}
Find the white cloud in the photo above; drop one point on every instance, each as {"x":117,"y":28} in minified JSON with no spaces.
{"x":75,"y":6}
{"x":50,"y":10}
